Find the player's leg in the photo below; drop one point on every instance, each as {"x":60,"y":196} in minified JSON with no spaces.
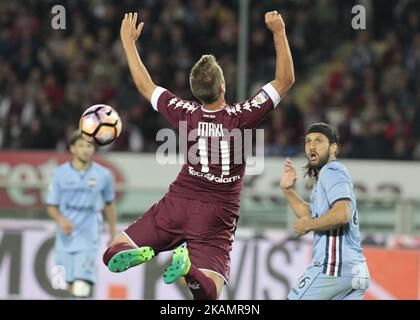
{"x":150,"y":234}
{"x":84,"y":273}
{"x":203,"y":284}
{"x":209,"y":230}
{"x":65,"y":261}
{"x":81,"y":289}
{"x":123,"y":254}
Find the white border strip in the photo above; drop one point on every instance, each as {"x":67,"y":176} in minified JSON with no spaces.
{"x":224,"y":279}
{"x":131,"y":240}
{"x":272,"y":93}
{"x":155,"y":97}
{"x":212,"y":111}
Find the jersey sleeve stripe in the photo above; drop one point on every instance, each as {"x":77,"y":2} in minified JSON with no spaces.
{"x":155,"y":97}
{"x":272,"y":93}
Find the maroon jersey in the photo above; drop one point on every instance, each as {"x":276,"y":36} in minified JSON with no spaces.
{"x":215,"y":163}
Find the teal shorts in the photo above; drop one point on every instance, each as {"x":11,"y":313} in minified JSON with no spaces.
{"x":315,"y":285}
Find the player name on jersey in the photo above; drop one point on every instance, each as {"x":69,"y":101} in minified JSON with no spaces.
{"x":206,"y":129}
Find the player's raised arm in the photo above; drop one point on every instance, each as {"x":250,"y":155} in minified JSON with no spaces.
{"x":299,"y":206}
{"x":129,"y":35}
{"x":285,"y":75}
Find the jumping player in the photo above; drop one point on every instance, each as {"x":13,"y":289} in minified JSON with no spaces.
{"x":202,"y":205}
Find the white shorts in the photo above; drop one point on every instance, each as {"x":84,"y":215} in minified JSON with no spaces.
{"x":315,"y":285}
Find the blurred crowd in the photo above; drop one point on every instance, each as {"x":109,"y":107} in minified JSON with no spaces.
{"x":49,"y":77}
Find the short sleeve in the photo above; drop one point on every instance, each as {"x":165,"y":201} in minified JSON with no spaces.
{"x":108,"y":192}
{"x":337,"y":185}
{"x":255,"y":109}
{"x":53,"y":196}
{"x":171,"y":107}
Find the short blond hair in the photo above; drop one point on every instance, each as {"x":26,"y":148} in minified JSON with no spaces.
{"x":206,"y":78}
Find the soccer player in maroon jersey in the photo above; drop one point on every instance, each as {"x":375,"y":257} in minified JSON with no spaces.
{"x":201,"y":207}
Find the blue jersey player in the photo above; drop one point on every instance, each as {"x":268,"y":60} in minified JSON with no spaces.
{"x":78,"y":192}
{"x":338,"y":269}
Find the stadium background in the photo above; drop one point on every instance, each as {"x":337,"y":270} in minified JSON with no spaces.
{"x":366,"y":83}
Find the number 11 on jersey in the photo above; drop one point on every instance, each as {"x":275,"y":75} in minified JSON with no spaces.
{"x":204,"y":155}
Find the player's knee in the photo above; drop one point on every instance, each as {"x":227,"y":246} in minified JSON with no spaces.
{"x":81,"y":289}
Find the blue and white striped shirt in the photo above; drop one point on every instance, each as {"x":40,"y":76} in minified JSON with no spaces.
{"x":338,"y":251}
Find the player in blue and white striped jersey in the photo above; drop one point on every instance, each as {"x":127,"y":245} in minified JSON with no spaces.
{"x":338,"y":269}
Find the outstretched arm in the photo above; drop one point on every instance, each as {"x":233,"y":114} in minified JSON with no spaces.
{"x":129,"y":34}
{"x":285,"y":75}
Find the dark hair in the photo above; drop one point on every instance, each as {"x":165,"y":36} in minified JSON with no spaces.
{"x":311,"y":174}
{"x":324,"y":129}
{"x":74,"y":137}
{"x":205,"y":79}
{"x":332,"y":136}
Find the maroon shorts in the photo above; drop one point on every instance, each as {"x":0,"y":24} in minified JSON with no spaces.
{"x":207,"y":228}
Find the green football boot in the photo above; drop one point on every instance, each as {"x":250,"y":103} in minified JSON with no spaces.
{"x":125,"y":260}
{"x":179,"y":267}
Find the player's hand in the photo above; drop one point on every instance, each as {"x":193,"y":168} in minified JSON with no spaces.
{"x":288,"y":179}
{"x":302,"y":226}
{"x":129,"y":32}
{"x":66,"y":226}
{"x":274,"y":22}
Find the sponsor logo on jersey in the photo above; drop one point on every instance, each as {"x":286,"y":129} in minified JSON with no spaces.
{"x":210,"y":116}
{"x":212,"y":177}
{"x":185,"y":105}
{"x":237,"y":108}
{"x":259,"y":99}
{"x":91,"y":182}
{"x":70,"y":207}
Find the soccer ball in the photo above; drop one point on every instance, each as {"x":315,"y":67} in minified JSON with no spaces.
{"x":100,"y":124}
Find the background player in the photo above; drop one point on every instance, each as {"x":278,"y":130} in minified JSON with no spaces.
{"x":202,"y":205}
{"x":77,"y":193}
{"x":338,"y":269}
